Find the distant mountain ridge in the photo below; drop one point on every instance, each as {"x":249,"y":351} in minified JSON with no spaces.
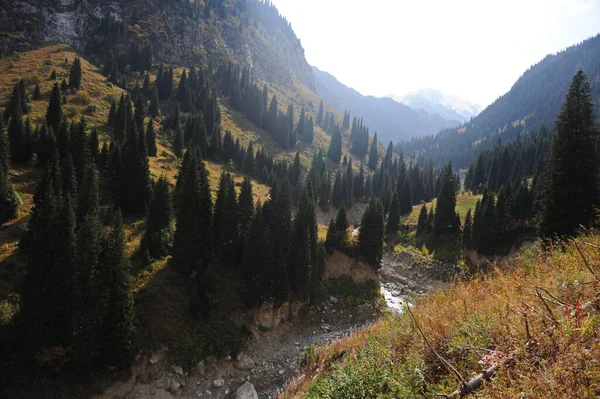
{"x":391,"y":120}
{"x":435,"y":102}
{"x":533,"y":101}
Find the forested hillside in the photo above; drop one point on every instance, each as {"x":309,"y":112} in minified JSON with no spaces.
{"x":533,"y":101}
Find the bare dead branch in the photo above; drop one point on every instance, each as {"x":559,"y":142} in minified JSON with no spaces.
{"x":546,"y":305}
{"x":591,"y":245}
{"x":536,"y":311}
{"x":587,"y":264}
{"x":474,"y":384}
{"x":444,"y":361}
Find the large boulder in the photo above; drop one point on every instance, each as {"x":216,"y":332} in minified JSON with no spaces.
{"x":246,"y":391}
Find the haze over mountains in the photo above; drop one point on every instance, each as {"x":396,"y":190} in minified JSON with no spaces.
{"x":392,"y":120}
{"x":434,"y":101}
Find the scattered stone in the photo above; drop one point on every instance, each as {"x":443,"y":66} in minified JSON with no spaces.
{"x":281,"y":371}
{"x":333,"y":300}
{"x":201,"y":368}
{"x":227,"y":391}
{"x":174,"y":385}
{"x":155,"y":358}
{"x":218,"y":383}
{"x":228,"y":358}
{"x":109,"y":85}
{"x":177,"y":369}
{"x":244,"y":362}
{"x":246,"y":391}
{"x":297,"y":343}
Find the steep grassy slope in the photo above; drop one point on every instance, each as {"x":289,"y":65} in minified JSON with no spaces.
{"x":555,"y":342}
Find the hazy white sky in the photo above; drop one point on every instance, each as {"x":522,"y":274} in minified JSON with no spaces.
{"x":475,"y":49}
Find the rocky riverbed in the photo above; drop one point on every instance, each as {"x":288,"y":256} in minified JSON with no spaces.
{"x":273,"y":357}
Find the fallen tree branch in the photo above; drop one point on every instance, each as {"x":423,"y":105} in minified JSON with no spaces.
{"x":444,"y":361}
{"x":479,"y":380}
{"x":591,"y":245}
{"x":587,"y":264}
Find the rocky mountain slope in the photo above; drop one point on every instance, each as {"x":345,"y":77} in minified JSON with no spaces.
{"x":181,"y":32}
{"x":391,"y":120}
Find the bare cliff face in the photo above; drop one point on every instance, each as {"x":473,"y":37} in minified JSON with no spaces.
{"x":181,"y":32}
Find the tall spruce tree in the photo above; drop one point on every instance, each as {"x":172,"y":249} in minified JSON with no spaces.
{"x":341,"y":228}
{"x":119,"y":320}
{"x":572,"y":191}
{"x":75,"y":75}
{"x":467,"y":237}
{"x":422,"y":222}
{"x":158,"y":235}
{"x":151,"y":140}
{"x":371,"y":232}
{"x":373,"y":154}
{"x":393,"y":221}
{"x":445,"y":212}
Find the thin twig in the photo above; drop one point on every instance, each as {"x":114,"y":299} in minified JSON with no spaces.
{"x":557,"y":301}
{"x":591,"y":245}
{"x":444,"y":361}
{"x":537,"y":311}
{"x":546,"y":305}
{"x":587,"y":264}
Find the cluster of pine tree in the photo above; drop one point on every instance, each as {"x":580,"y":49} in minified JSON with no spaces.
{"x":563,"y":193}
{"x":277,"y":256}
{"x":246,"y":97}
{"x":76,"y":293}
{"x":9,"y":202}
{"x":511,"y":162}
{"x":359,"y":137}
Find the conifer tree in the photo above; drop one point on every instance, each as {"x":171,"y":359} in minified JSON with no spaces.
{"x":445,"y":212}
{"x":119,"y":322}
{"x":393,"y":221}
{"x":54,"y":113}
{"x":405,"y":198}
{"x":151,"y":140}
{"x":341,"y":228}
{"x":468,"y":231}
{"x":17,"y":138}
{"x":572,"y":179}
{"x":158,"y":236}
{"x":334,"y":153}
{"x":246,"y":210}
{"x":154,"y":109}
{"x":178,"y":144}
{"x":332,"y":237}
{"x":37,"y":93}
{"x":422,"y":222}
{"x":8,"y":200}
{"x":372,"y":232}
{"x":373,"y":155}
{"x":193,"y":241}
{"x":320,"y":115}
{"x":75,"y":74}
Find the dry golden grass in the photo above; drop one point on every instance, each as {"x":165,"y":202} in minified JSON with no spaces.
{"x":36,"y":66}
{"x":488,"y":313}
{"x":464,"y":201}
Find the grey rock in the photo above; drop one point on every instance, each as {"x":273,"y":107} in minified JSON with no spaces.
{"x":177,"y":369}
{"x":246,"y":391}
{"x":218,"y":383}
{"x":244,"y":362}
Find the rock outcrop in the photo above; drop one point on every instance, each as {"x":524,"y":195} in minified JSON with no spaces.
{"x":265,"y":41}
